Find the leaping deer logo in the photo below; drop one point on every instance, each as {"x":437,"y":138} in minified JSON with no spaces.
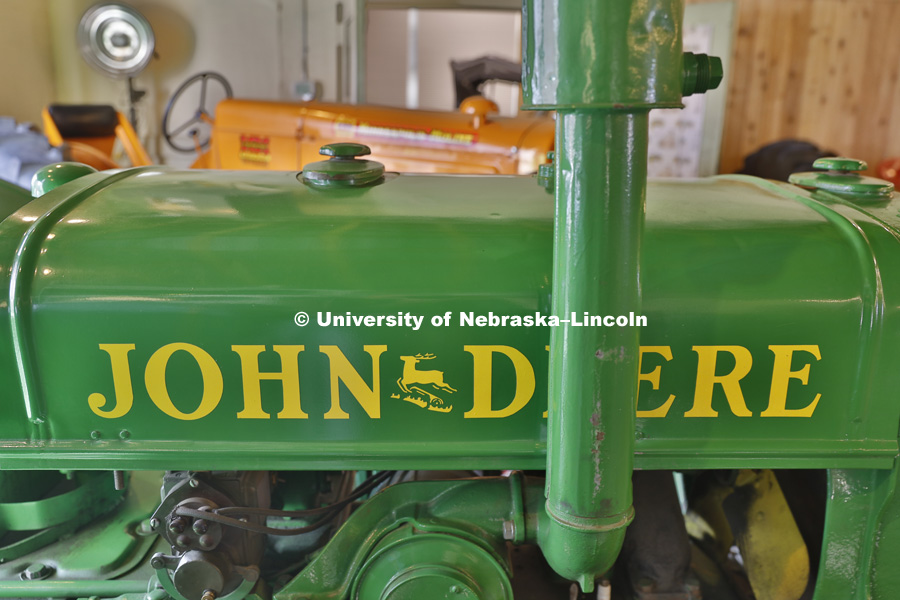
{"x":413,"y":380}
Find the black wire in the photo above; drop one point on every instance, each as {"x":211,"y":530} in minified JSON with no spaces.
{"x":372,"y":482}
{"x":183,"y":511}
{"x":330,"y":512}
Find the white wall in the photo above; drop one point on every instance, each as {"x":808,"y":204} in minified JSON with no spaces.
{"x":386,"y":51}
{"x":26,"y":69}
{"x":443,"y":35}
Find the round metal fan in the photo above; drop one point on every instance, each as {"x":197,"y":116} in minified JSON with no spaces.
{"x":115,"y":39}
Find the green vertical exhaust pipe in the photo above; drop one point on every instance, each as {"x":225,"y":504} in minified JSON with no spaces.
{"x":602,"y":65}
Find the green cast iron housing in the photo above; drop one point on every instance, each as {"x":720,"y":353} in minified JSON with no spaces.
{"x":734,"y":270}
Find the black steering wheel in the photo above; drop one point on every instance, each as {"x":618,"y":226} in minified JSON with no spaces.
{"x":194,"y":130}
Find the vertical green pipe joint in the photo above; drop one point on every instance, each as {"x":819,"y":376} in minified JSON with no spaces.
{"x":602,"y":65}
{"x":612,"y":54}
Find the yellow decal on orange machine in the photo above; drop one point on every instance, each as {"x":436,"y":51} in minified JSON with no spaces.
{"x":355,"y":129}
{"x":255,"y":148}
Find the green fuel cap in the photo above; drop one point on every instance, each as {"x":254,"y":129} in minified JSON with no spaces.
{"x":344,"y":168}
{"x":840,"y":163}
{"x":840,"y":175}
{"x":55,"y":175}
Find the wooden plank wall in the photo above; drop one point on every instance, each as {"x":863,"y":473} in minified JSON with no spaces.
{"x":827,"y":71}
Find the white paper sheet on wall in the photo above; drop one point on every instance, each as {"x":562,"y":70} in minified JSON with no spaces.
{"x":676,"y":135}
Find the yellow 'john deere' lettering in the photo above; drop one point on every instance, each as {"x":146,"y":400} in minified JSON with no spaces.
{"x":368,"y":393}
{"x":653,"y":378}
{"x":252,"y":378}
{"x":483,"y":369}
{"x":781,"y":376}
{"x":707,"y":379}
{"x":155,"y":378}
{"x":343,"y":371}
{"x":118,"y":356}
{"x":731,"y":383}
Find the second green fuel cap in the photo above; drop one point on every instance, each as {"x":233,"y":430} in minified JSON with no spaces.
{"x":840,"y":175}
{"x":344,"y":168}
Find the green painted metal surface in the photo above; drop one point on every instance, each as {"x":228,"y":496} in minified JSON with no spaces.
{"x":101,"y":558}
{"x":840,"y":163}
{"x":58,"y":589}
{"x":157,"y":319}
{"x":132,"y":259}
{"x":59,"y":508}
{"x":839,"y":175}
{"x":602,"y":54}
{"x":546,"y":174}
{"x":42,"y":514}
{"x":600,"y":196}
{"x":408,"y":565}
{"x":862,"y":532}
{"x":701,"y":73}
{"x":52,"y":176}
{"x":471,"y":511}
{"x":12,"y":198}
{"x":345,"y":169}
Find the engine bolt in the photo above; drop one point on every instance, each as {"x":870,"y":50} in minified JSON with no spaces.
{"x":36,"y":571}
{"x":157,"y":562}
{"x":208,"y":595}
{"x":207,"y":541}
{"x":154,"y":523}
{"x":176,"y":525}
{"x":183,"y":540}
{"x":193,"y":482}
{"x":509,"y":530}
{"x":200,"y":526}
